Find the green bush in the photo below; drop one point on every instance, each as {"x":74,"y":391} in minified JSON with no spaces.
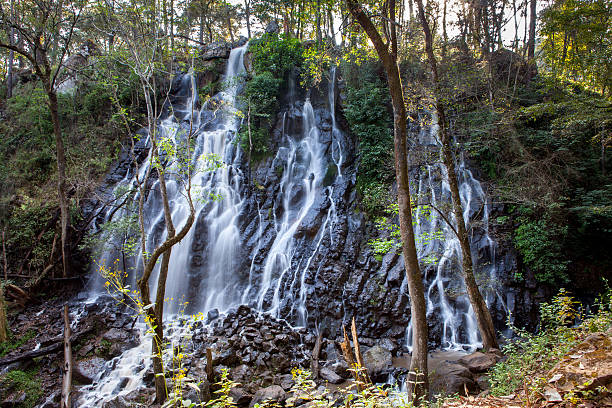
{"x":273,"y":58}
{"x":26,"y":382}
{"x":366,"y":112}
{"x":531,"y":356}
{"x":276,"y":54}
{"x":540,"y":243}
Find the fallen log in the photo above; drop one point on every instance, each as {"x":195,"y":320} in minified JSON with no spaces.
{"x":55,"y":347}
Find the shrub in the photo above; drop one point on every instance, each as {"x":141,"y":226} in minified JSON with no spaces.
{"x":366,"y":112}
{"x":540,"y":243}
{"x":531,"y":356}
{"x":276,"y":54}
{"x":17,"y":381}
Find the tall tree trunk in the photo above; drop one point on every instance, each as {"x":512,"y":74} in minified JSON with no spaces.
{"x":418,"y":382}
{"x":61,"y":175}
{"x":228,"y":21}
{"x":483,"y":316}
{"x":67,"y":380}
{"x":532,"y":29}
{"x":444,"y":33}
{"x":3,"y":320}
{"x":172,"y":25}
{"x":318,"y":24}
{"x":201,"y":30}
{"x":247,"y":12}
{"x":9,"y":77}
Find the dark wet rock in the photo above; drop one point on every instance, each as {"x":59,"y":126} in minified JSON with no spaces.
{"x":286,"y":381}
{"x":452,"y":378}
{"x":377,"y":360}
{"x":479,"y":362}
{"x":389,"y":344}
{"x":272,"y":27}
{"x":240,"y":396}
{"x":272,"y":393}
{"x":328,"y":374}
{"x":217,"y":49}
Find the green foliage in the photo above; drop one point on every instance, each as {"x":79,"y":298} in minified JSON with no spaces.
{"x":366,"y":112}
{"x":531,"y":356}
{"x":540,"y":242}
{"x":225,"y":385}
{"x":14,"y":343}
{"x":273,"y":57}
{"x":28,"y":186}
{"x":261,"y":93}
{"x":260,"y":141}
{"x":16,"y":382}
{"x":577,"y":41}
{"x":276,"y":54}
{"x":547,"y":151}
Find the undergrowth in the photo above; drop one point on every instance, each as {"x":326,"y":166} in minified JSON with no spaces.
{"x":532,"y":356}
{"x":16,"y":382}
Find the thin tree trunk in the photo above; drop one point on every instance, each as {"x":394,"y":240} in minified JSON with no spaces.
{"x":318,"y":23}
{"x":532,"y":30}
{"x":61,"y":176}
{"x":9,"y":78}
{"x":247,"y":12}
{"x":67,"y":381}
{"x":483,"y":316}
{"x":3,"y":320}
{"x":418,"y":383}
{"x":4,"y":254}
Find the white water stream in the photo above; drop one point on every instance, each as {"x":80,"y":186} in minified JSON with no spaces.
{"x":444,"y":289}
{"x":205,"y":264}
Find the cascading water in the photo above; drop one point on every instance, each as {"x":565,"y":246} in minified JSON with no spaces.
{"x":213,"y":128}
{"x":445,"y":295}
{"x":282,"y":287}
{"x":276,"y":265}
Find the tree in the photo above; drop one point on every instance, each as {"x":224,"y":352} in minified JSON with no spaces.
{"x":387,"y":52}
{"x":532,"y":30}
{"x":3,"y":319}
{"x":46,"y":28}
{"x":577,"y":42}
{"x":483,"y":316}
{"x":168,"y":157}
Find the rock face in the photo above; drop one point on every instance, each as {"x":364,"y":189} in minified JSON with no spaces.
{"x":333,"y":275}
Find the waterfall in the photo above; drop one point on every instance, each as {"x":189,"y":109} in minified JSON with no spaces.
{"x":446,"y":299}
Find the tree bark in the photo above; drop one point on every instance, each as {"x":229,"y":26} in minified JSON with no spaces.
{"x":3,"y":320}
{"x":61,"y":175}
{"x":418,"y":383}
{"x":9,"y":72}
{"x":247,"y":12}
{"x":67,"y":381}
{"x":483,"y":316}
{"x":532,"y":29}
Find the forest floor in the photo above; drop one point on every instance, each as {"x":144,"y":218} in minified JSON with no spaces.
{"x":582,"y":378}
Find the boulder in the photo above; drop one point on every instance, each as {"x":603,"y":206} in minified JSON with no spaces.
{"x":329,"y":375}
{"x":272,"y":27}
{"x":240,"y":396}
{"x":217,"y":49}
{"x":273,"y":393}
{"x":479,"y":362}
{"x":377,"y":360}
{"x":452,"y":378}
{"x":286,"y":381}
